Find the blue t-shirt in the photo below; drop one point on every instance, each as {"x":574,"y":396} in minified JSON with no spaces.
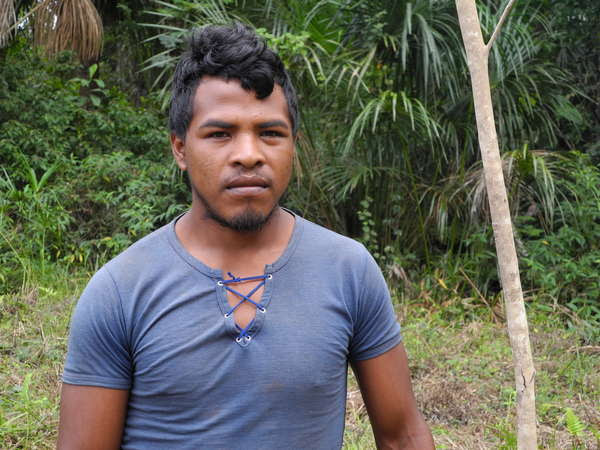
{"x":154,"y":321}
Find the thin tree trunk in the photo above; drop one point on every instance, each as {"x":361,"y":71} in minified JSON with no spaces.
{"x":518,"y":330}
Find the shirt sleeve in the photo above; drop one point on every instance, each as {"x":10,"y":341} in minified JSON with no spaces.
{"x":98,"y":352}
{"x":376,"y":329}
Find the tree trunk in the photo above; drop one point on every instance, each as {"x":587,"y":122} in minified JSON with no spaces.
{"x":518,"y":330}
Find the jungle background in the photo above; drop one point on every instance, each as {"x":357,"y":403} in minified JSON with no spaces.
{"x":387,"y":153}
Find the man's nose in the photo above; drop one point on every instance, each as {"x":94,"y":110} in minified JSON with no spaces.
{"x":247,"y":151}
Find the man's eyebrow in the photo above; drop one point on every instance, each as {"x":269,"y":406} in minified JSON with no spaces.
{"x":216,"y":124}
{"x":273,"y":123}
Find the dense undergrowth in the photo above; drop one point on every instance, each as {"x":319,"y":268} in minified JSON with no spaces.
{"x":84,"y":172}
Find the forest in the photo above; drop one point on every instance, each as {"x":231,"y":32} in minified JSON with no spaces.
{"x":387,"y":154}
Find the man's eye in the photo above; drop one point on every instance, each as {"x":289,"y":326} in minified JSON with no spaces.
{"x":271,"y":133}
{"x":218,"y":134}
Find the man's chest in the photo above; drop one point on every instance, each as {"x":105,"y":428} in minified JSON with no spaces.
{"x":298,"y":345}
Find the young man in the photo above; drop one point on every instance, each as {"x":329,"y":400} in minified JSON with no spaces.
{"x":232,"y":327}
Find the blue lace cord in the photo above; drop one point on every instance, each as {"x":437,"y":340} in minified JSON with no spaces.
{"x":233,"y":279}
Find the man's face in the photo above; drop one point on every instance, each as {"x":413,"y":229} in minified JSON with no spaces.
{"x":238,"y":153}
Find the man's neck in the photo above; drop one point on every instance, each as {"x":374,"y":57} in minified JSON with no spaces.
{"x":224,"y":248}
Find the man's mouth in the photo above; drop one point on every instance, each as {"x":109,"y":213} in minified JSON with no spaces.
{"x":247,"y":185}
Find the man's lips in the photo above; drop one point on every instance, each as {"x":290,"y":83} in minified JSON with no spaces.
{"x":247,"y":185}
{"x":247,"y":181}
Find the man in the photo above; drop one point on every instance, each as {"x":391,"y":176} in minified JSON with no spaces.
{"x":232,"y":327}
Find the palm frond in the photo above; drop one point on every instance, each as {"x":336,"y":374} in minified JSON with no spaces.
{"x":69,"y":25}
{"x":531,"y":177}
{"x":396,"y":105}
{"x":8,"y":18}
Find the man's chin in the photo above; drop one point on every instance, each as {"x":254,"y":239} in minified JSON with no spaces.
{"x":246,"y":222}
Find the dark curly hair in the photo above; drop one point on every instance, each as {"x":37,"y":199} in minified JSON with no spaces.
{"x":230,"y":52}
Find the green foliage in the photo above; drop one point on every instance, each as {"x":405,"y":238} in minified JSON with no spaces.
{"x":507,"y":436}
{"x":578,"y":429}
{"x":94,"y":86}
{"x":574,"y":44}
{"x":33,"y":341}
{"x":369,"y":234}
{"x":565,"y":263}
{"x":575,"y":426}
{"x":84,"y":172}
{"x":26,"y":411}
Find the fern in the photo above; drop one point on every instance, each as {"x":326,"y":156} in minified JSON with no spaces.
{"x":574,"y":425}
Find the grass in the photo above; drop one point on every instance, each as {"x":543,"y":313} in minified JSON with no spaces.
{"x":459,"y":358}
{"x":33,"y":342}
{"x":463,"y":380}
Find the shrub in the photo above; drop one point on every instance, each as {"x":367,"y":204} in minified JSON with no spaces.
{"x":565,"y":263}
{"x":85,"y":173}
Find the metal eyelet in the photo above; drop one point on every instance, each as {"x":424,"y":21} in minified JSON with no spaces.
{"x":248,"y":338}
{"x":219,"y":283}
{"x":227,"y":315}
{"x":238,"y":340}
{"x":262,"y":310}
{"x":270,"y":276}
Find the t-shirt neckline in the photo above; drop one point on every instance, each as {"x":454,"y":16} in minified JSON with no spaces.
{"x":216,"y":273}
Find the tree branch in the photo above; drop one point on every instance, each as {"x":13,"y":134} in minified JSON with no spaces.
{"x":496,"y":32}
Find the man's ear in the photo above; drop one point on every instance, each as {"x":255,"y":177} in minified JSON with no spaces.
{"x":178,"y":149}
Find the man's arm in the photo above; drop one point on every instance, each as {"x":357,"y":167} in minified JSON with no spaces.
{"x":91,"y":417}
{"x":386,"y":389}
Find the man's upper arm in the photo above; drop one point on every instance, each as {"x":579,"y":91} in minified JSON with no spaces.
{"x":99,"y":343}
{"x":91,"y":417}
{"x":386,"y":389}
{"x":97,"y":373}
{"x":375,"y":328}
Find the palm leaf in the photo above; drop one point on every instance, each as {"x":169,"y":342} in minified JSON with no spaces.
{"x":69,"y":25}
{"x":8,"y":18}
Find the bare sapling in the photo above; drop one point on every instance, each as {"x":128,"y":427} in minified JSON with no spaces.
{"x":518,"y":330}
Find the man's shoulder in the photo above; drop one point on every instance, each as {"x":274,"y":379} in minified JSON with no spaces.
{"x":148,"y":255}
{"x":151,"y":243}
{"x":321,"y":240}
